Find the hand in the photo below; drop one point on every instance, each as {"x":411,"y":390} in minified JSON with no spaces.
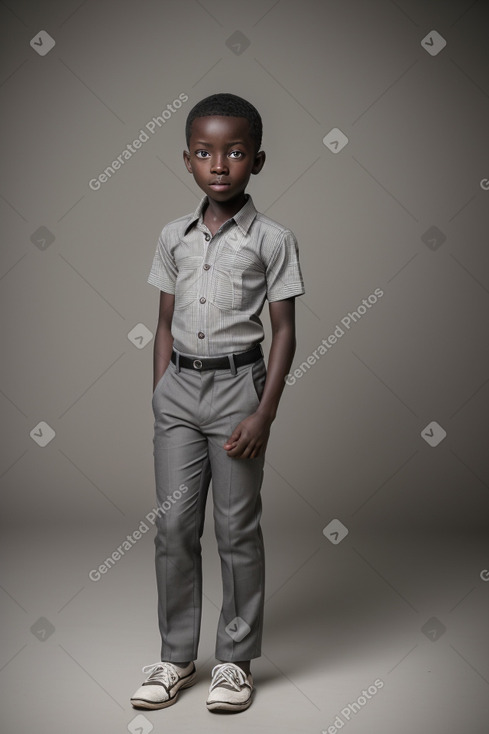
{"x":250,"y":437}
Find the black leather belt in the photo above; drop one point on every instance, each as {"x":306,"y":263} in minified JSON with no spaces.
{"x":218,"y":363}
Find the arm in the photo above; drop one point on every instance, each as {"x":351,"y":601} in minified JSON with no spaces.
{"x":250,"y":437}
{"x":163,"y":338}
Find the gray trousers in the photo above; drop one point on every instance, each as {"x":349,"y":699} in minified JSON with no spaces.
{"x":195,"y":413}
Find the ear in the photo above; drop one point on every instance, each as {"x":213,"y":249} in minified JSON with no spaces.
{"x":259,"y":162}
{"x":186,"y":159}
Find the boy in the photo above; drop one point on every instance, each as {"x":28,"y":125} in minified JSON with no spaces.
{"x":214,"y":400}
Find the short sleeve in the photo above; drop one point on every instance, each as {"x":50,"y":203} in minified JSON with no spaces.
{"x":164,"y":271}
{"x":283,"y":274}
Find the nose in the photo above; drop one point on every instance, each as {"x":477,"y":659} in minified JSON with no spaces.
{"x":219,"y":164}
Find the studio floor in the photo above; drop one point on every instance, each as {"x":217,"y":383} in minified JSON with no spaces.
{"x":344,"y":647}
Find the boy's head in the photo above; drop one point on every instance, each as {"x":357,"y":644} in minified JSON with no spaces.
{"x":227,"y":105}
{"x":224,"y":136}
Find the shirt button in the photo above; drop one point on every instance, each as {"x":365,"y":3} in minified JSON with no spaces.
{"x":202,"y":300}
{"x":207,"y":237}
{"x":201,"y":335}
{"x":207,"y":267}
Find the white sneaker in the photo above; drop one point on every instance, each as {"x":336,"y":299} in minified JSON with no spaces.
{"x":163,"y":684}
{"x":231,"y":689}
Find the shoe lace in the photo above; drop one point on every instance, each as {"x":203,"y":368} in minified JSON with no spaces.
{"x":162,"y":672}
{"x":228,"y":673}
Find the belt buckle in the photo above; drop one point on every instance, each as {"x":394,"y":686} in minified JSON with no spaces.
{"x":197,"y":364}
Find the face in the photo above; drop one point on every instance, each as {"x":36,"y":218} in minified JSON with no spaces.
{"x":221,"y":156}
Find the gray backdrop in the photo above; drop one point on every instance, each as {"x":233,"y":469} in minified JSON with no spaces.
{"x":376,"y":488}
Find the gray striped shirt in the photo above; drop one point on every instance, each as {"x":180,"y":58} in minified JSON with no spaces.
{"x":220,"y":282}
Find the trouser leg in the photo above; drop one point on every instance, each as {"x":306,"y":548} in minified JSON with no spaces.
{"x":236,"y":486}
{"x":237,"y":503}
{"x":182,"y":474}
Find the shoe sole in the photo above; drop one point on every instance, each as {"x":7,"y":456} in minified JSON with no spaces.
{"x":141,"y":703}
{"x":226,"y":706}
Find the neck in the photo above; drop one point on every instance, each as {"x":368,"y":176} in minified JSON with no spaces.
{"x":218,"y":211}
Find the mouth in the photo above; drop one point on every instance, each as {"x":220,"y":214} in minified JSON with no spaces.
{"x":219,"y":184}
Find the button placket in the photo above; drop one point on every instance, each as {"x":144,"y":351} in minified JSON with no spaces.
{"x":205,"y":282}
{"x":202,"y":300}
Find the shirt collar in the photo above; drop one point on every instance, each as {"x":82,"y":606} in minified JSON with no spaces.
{"x":244,"y":218}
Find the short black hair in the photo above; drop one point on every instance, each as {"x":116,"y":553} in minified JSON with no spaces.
{"x":227,"y":105}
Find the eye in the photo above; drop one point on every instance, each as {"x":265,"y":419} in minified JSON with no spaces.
{"x":201,"y":153}
{"x":236,"y":154}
